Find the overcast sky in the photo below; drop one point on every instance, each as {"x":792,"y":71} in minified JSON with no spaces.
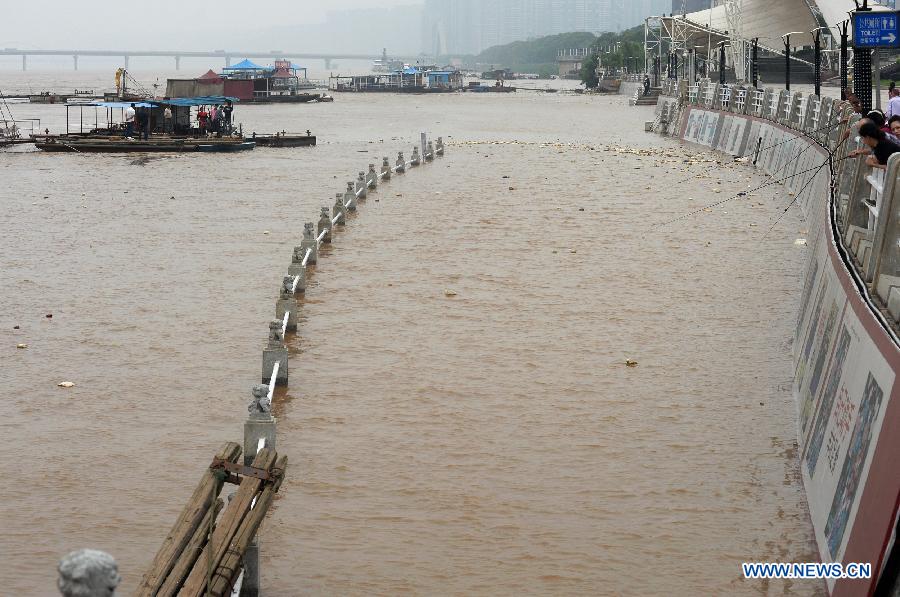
{"x":102,"y":24}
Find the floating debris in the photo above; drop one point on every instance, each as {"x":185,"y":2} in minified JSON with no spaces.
{"x":800,"y":241}
{"x":49,"y":315}
{"x":630,"y":363}
{"x":21,"y":346}
{"x":65,"y":384}
{"x":449,"y":292}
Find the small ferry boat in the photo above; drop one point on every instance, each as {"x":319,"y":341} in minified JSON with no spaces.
{"x":284,"y":139}
{"x":127,"y":145}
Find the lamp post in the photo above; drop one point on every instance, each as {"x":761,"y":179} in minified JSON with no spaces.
{"x":843,"y":29}
{"x":787,"y":57}
{"x":817,"y":58}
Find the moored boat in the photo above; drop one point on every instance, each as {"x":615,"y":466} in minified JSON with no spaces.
{"x":284,"y":140}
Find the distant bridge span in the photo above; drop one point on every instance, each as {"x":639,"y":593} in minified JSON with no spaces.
{"x":226,"y":55}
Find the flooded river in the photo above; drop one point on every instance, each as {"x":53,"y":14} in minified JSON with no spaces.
{"x":488,"y":443}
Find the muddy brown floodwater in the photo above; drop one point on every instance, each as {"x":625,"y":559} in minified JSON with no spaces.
{"x":487,"y":443}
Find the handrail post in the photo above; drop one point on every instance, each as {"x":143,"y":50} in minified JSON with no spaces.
{"x":350,"y":196}
{"x":339,"y":212}
{"x":259,"y":427}
{"x":385,"y":169}
{"x":372,"y":177}
{"x":275,"y":352}
{"x":324,"y":225}
{"x":401,"y":163}
{"x":361,"y":185}
{"x":297,"y":269}
{"x":287,"y":303}
{"x":309,"y":244}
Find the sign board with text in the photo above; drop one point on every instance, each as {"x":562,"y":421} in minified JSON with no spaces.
{"x":876,"y":30}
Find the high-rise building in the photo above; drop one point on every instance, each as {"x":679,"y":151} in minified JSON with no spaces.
{"x":470,"y":26}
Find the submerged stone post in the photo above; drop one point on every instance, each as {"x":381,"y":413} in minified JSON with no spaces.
{"x":275,"y":352}
{"x":429,"y":152}
{"x":339,"y":209}
{"x":373,"y":177}
{"x":309,"y":243}
{"x":88,"y":572}
{"x":350,"y":196}
{"x":439,"y":146}
{"x":324,"y":225}
{"x":361,"y":185}
{"x":401,"y":163}
{"x":286,"y":303}
{"x":298,"y":269}
{"x":260,"y":425}
{"x":415,"y":160}
{"x":385,"y":169}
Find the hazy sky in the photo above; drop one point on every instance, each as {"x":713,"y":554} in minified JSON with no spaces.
{"x":121,"y":24}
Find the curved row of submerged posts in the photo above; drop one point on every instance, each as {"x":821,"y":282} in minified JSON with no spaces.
{"x":213,"y":549}
{"x":866,"y":212}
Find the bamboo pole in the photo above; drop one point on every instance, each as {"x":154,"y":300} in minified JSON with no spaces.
{"x":184,"y":528}
{"x":231,"y":520}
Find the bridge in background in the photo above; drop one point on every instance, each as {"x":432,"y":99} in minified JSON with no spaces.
{"x":226,"y":55}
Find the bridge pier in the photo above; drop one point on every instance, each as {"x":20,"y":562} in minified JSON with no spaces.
{"x":24,"y":62}
{"x":177,"y":62}
{"x":126,"y":60}
{"x":327,"y":63}
{"x":75,"y":60}
{"x":227,"y":60}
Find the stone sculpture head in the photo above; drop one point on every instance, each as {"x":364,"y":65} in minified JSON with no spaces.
{"x":260,"y":402}
{"x":88,"y":573}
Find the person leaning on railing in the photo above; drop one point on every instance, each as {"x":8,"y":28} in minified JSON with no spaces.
{"x":882,"y":147}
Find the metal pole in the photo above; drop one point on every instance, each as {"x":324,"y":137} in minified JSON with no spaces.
{"x":787,"y":61}
{"x":817,"y":59}
{"x":722,"y":63}
{"x":755,"y":66}
{"x":876,"y":72}
{"x":844,"y":83}
{"x":862,"y":76}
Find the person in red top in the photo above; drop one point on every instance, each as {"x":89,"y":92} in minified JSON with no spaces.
{"x":203,"y":119}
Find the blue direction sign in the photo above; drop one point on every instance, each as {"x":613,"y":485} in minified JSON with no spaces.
{"x":876,"y":30}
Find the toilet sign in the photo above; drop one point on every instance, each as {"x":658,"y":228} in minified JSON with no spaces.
{"x":876,"y":30}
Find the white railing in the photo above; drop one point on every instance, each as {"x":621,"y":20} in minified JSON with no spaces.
{"x":306,"y":257}
{"x":274,"y":377}
{"x":284,"y":323}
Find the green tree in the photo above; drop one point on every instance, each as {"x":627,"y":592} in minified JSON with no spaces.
{"x":588,"y":72}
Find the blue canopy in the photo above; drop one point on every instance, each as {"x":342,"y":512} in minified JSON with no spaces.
{"x":204,"y":100}
{"x":410,"y":70}
{"x":245,"y":64}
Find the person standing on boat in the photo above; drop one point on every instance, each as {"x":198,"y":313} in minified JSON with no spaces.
{"x":202,"y":117}
{"x":213,"y":114}
{"x":167,"y":119}
{"x":226,"y":112}
{"x":143,"y":117}
{"x":129,"y":120}
{"x":646,"y":84}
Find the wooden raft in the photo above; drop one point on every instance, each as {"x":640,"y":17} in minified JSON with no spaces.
{"x":188,"y":563}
